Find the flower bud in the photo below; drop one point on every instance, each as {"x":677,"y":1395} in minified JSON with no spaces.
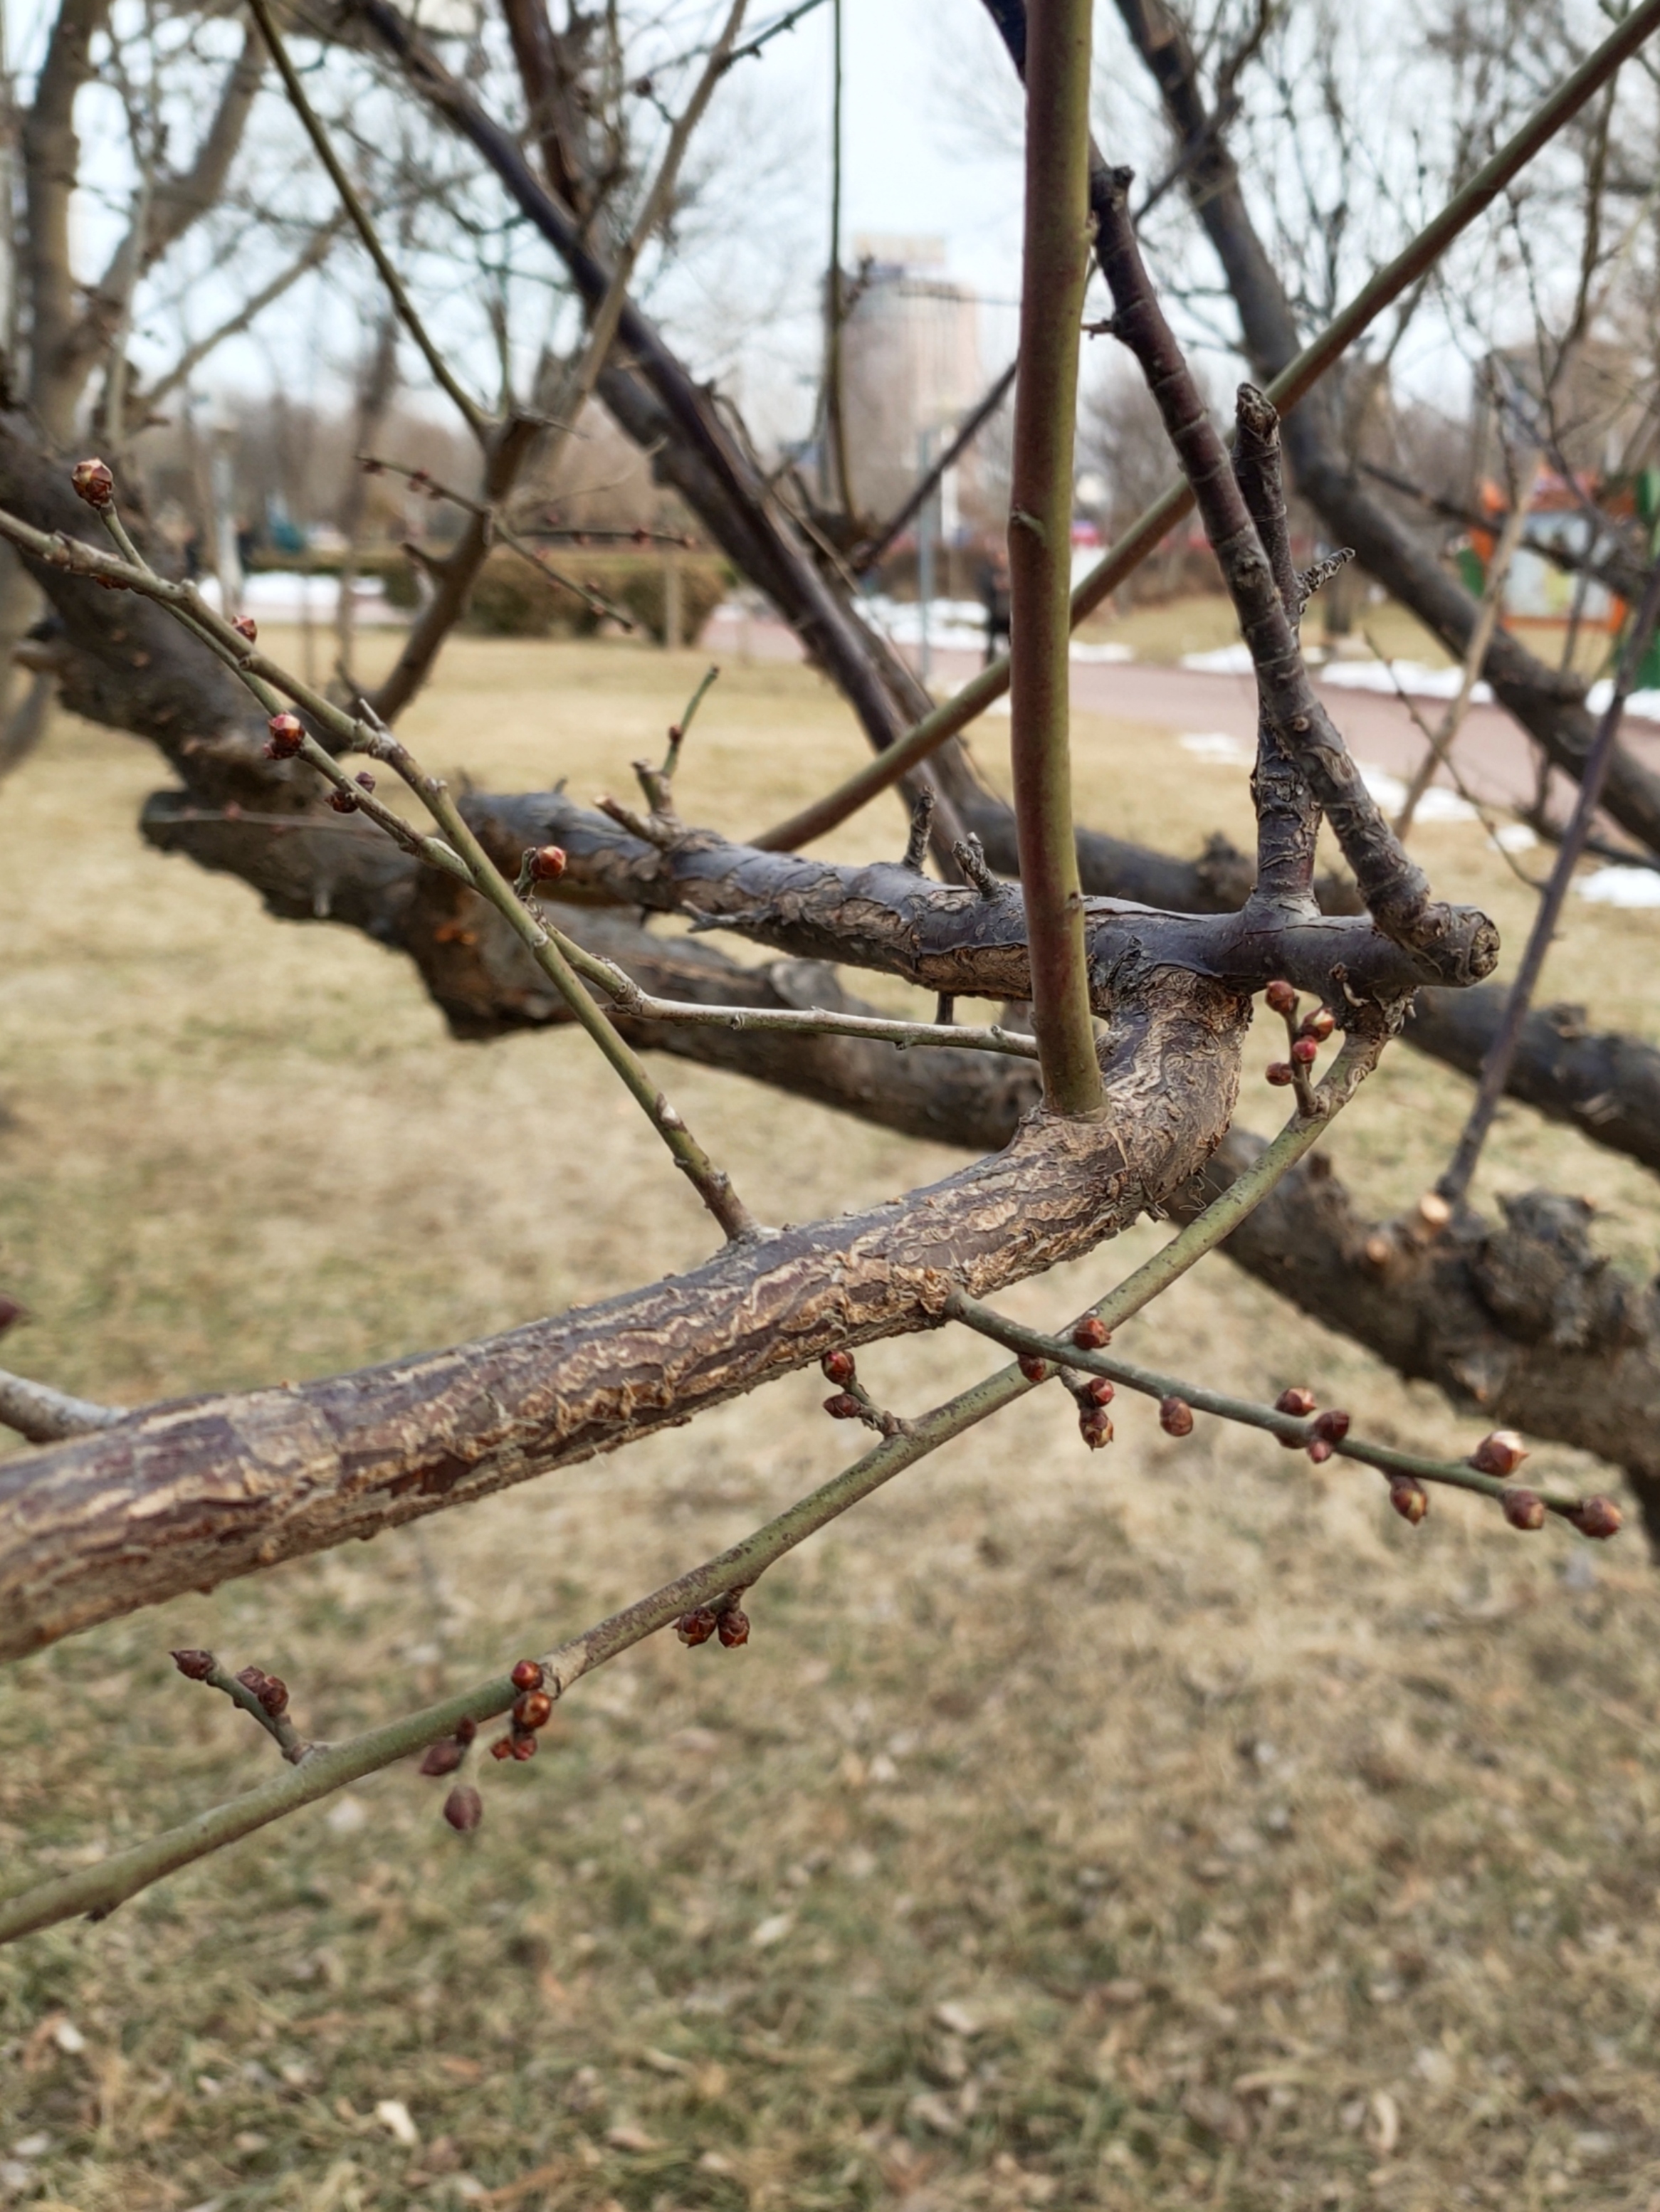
{"x":734,"y":1627}
{"x":94,"y":482}
{"x":465,"y":1731}
{"x":1319,"y":1451}
{"x":1278,"y":1072}
{"x":1304,"y":1051}
{"x":526,"y":1675}
{"x":1034,"y":1368}
{"x":1099,"y":1391}
{"x":843,"y":1407}
{"x":1319,"y":1025}
{"x":464,"y":1809}
{"x":1596,"y":1516}
{"x":273,"y":1695}
{"x":696,"y":1626}
{"x":1295,"y":1400}
{"x":1095,"y":1426}
{"x":244,"y":626}
{"x":533,"y":1708}
{"x":342,"y":801}
{"x":1524,"y":1508}
{"x":522,"y":1746}
{"x":194,"y":1666}
{"x":502,"y":1748}
{"x":1410,"y":1497}
{"x":253,"y":1679}
{"x":1090,"y":1333}
{"x":837,"y":1367}
{"x":1500,"y":1453}
{"x":1176,"y":1417}
{"x":1280,"y":996}
{"x":547,"y":864}
{"x":364,"y":779}
{"x":441,"y":1757}
{"x":1331,"y":1426}
{"x":287,"y":733}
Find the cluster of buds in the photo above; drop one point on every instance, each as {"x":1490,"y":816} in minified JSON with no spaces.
{"x":270,"y":1692}
{"x":1094,"y":1395}
{"x":532,"y":1709}
{"x":1329,"y":1430}
{"x":850,"y":1400}
{"x":728,"y":1624}
{"x":285,"y":734}
{"x":444,"y":1757}
{"x":1305,"y":1036}
{"x":94,"y":482}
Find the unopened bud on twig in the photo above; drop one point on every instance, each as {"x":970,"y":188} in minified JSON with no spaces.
{"x":287,"y":734}
{"x":523,"y":1747}
{"x":1280,"y":996}
{"x":364,"y":779}
{"x":1319,"y":1451}
{"x":1278,"y":1072}
{"x":843,"y":1407}
{"x":1410,"y":1497}
{"x":547,"y":864}
{"x":342,"y":801}
{"x":194,"y":1666}
{"x":1090,"y":1333}
{"x":697,"y":1626}
{"x":837,"y":1367}
{"x":502,"y":1748}
{"x":465,"y":1730}
{"x":1034,"y":1368}
{"x":1524,"y":1508}
{"x":1596,"y":1516}
{"x":244,"y":626}
{"x":734,"y":1627}
{"x":464,"y":1809}
{"x":1319,"y":1025}
{"x":1500,"y":1453}
{"x":1098,"y":1391}
{"x":1305,"y":1051}
{"x":533,"y":1708}
{"x":271,"y":1691}
{"x":526,"y":1675}
{"x":1295,"y":1400}
{"x":441,"y":1757}
{"x":94,"y":482}
{"x":1331,"y":1426}
{"x":1176,"y":1417}
{"x":1095,"y":1426}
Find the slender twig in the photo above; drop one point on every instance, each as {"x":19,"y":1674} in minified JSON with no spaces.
{"x":46,"y":1416}
{"x":1054,"y":271}
{"x":865,"y":557}
{"x":474,"y":416}
{"x":316,"y":251}
{"x":639,"y":1005}
{"x":1065,"y":1352}
{"x":97,"y":1890}
{"x":1476,"y":653}
{"x":1299,"y":377}
{"x":1501,"y":1053}
{"x":770,"y":32}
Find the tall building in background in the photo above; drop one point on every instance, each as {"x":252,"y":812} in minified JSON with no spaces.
{"x":910,"y":366}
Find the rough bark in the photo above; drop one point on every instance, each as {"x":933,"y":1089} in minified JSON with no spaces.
{"x":191,"y":1494}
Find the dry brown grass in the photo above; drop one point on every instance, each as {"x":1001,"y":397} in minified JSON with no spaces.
{"x":1170,"y":1827}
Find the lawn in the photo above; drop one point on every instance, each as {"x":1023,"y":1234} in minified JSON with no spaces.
{"x":1164,"y":1827}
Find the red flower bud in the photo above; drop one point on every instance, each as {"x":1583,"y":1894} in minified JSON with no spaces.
{"x":1099,"y":1391}
{"x":342,"y":801}
{"x":1596,"y":1516}
{"x":1280,"y":996}
{"x":1500,"y":1453}
{"x":547,"y":864}
{"x":502,"y":1748}
{"x":532,"y":1709}
{"x":837,"y":1367}
{"x":1319,"y":1451}
{"x":94,"y":483}
{"x":441,"y":1757}
{"x":734,"y":1627}
{"x":526,"y":1675}
{"x":1090,"y":1333}
{"x":1295,"y":1400}
{"x":1304,"y":1051}
{"x":842,"y":1408}
{"x":464,"y":1809}
{"x":253,"y":1679}
{"x":523,"y":1747}
{"x":1176,"y":1417}
{"x":1095,"y":1426}
{"x":1524,"y":1508}
{"x":1410,"y":1497}
{"x":1319,"y":1025}
{"x":287,"y":732}
{"x":1034,"y":1368}
{"x":364,"y":779}
{"x":1331,"y":1426}
{"x":1278,"y":1072}
{"x":465,"y":1731}
{"x":696,"y":1626}
{"x":194,"y":1666}
{"x":273,"y":1695}
{"x":244,"y":626}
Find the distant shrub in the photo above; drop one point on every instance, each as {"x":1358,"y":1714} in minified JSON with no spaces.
{"x":511,"y":599}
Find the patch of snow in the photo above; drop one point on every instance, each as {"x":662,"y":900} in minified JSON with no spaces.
{"x":1516,"y":837}
{"x":1225,"y":660}
{"x":1412,"y":676}
{"x":1437,"y":805}
{"x":1082,"y":649}
{"x":1216,"y":745}
{"x":1616,"y":886}
{"x":284,"y":595}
